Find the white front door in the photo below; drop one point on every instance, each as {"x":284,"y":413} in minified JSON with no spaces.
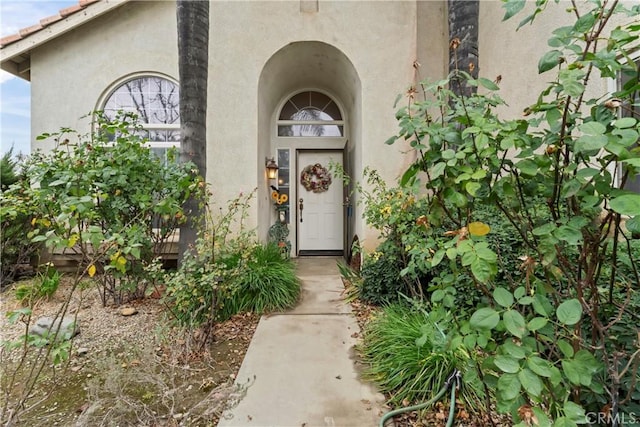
{"x":320,"y":210}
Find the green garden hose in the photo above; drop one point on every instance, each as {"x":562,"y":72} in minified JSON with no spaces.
{"x":455,"y":376}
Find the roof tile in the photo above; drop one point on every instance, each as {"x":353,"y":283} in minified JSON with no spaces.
{"x":50,"y":20}
{"x":10,"y":39}
{"x":70,"y":10}
{"x":25,"y":32}
{"x":30,"y":30}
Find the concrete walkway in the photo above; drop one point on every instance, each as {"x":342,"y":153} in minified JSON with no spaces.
{"x":303,"y":362}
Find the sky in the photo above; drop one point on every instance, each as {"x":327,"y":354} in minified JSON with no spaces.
{"x":15,"y":104}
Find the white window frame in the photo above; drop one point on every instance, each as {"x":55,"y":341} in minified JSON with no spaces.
{"x":109,"y":92}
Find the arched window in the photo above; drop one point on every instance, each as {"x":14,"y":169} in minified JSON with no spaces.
{"x":155,"y":100}
{"x":310,"y":114}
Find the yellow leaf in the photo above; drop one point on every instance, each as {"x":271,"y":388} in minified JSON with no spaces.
{"x":479,"y":228}
{"x":91,"y":270}
{"x":72,"y":240}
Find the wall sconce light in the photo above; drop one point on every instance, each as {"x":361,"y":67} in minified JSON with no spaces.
{"x":272,"y":168}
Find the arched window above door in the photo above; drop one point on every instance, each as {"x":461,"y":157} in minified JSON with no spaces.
{"x":310,"y":114}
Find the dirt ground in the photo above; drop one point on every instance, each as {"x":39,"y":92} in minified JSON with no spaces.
{"x":134,"y":369}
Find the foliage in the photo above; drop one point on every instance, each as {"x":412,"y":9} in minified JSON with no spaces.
{"x":410,"y":353}
{"x":45,"y":286}
{"x":206,"y":278}
{"x":267,"y":283}
{"x":8,"y":170}
{"x":108,"y":195}
{"x":394,"y":212}
{"x":16,"y":208}
{"x":548,"y":327}
{"x":382,"y":282}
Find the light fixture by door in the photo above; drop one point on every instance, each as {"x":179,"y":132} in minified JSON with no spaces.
{"x":272,"y":168}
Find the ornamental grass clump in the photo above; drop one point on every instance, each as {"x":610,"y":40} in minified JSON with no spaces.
{"x":268,"y":283}
{"x":409,"y":354}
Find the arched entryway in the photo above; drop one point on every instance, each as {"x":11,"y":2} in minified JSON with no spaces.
{"x":309,"y":113}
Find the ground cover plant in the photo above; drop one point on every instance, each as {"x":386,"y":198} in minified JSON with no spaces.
{"x":557,"y":328}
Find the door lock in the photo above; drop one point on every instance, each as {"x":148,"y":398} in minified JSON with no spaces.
{"x":301,"y":207}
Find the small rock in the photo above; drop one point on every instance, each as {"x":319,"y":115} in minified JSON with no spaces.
{"x":128,"y":311}
{"x":47,"y":325}
{"x":82,"y":351}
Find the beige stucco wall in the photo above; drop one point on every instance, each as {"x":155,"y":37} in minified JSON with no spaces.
{"x":364,"y":55}
{"x":71,"y":73}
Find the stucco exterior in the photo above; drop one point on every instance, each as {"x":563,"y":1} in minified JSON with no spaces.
{"x":360,"y":53}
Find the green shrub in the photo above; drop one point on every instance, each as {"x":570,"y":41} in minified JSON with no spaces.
{"x":381,"y":279}
{"x":201,"y":289}
{"x":267,"y":283}
{"x":409,"y":354}
{"x":17,"y":208}
{"x":108,"y":191}
{"x":44,"y":286}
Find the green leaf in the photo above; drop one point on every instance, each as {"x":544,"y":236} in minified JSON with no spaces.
{"x":438,"y":170}
{"x":543,"y":419}
{"x":485,"y":319}
{"x":472,"y":188}
{"x":503,"y":297}
{"x":571,"y":235}
{"x":482,"y":269}
{"x":590,"y":142}
{"x":514,"y":322}
{"x":633,"y":225}
{"x":542,"y":306}
{"x":569,"y":312}
{"x":584,"y":23}
{"x":574,"y":412}
{"x":565,"y":348}
{"x":564,"y":422}
{"x":509,"y":386}
{"x":571,"y":371}
{"x":530,"y":382}
{"x":625,"y":122}
{"x":514,"y":350}
{"x":512,"y":7}
{"x":537,"y":323}
{"x":488,"y":84}
{"x":549,"y":61}
{"x":627,"y":204}
{"x":539,"y":366}
{"x":592,"y":128}
{"x":507,"y":364}
{"x":391,"y":140}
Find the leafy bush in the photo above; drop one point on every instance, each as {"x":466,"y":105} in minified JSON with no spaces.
{"x":107,"y":198}
{"x":16,"y":220}
{"x":410,"y":353}
{"x":267,"y":283}
{"x":206,"y":279}
{"x":382,"y":282}
{"x":545,"y":319}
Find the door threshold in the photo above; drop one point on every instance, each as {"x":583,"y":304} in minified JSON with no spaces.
{"x":338,"y":252}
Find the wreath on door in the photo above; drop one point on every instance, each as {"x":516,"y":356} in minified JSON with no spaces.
{"x":315,"y":178}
